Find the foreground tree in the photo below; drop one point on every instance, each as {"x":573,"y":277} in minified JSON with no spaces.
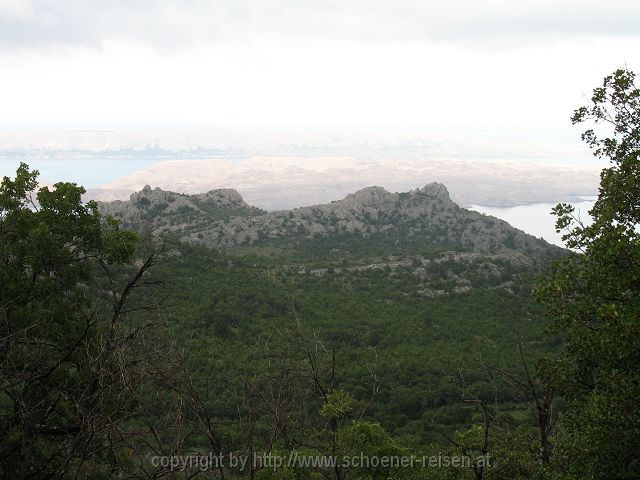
{"x":594,"y":296}
{"x":77,"y":365}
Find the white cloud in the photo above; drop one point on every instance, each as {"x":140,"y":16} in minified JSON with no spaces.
{"x":169,"y":24}
{"x":391,"y":87}
{"x":506,"y":66}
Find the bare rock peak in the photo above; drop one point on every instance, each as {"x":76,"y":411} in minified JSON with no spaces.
{"x":222,"y":195}
{"x":369,"y":196}
{"x":221,"y":218}
{"x":227,"y":194}
{"x":437,"y":190}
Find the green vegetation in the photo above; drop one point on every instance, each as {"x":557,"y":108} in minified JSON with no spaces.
{"x":376,"y":320}
{"x":391,"y":341}
{"x":75,"y":386}
{"x":595,"y":297}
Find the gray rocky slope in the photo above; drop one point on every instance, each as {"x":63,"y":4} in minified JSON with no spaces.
{"x":220,"y":218}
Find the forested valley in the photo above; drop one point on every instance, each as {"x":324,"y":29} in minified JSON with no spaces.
{"x":382,"y":336}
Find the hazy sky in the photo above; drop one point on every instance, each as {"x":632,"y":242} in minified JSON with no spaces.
{"x":514,"y":67}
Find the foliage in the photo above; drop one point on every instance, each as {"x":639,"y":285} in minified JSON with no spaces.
{"x":396,"y":342}
{"x":595,"y":296}
{"x":344,"y":346}
{"x":73,"y":376}
{"x":338,"y":404}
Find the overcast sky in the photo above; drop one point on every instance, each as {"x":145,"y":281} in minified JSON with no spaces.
{"x":509,"y":67}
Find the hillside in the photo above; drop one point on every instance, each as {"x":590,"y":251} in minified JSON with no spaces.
{"x":408,"y":285}
{"x":442,"y":248}
{"x":425,"y":216}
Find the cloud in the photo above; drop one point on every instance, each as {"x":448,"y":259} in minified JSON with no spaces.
{"x":180,"y":23}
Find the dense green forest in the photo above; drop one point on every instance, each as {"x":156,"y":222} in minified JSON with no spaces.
{"x":134,"y":354}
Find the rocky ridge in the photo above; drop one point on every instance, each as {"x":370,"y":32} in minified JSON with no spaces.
{"x":427,"y":215}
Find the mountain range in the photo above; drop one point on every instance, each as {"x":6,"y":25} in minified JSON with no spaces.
{"x":277,"y":182}
{"x":370,"y":227}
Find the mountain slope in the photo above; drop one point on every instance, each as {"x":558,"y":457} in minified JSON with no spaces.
{"x":408,"y":289}
{"x":404,"y":221}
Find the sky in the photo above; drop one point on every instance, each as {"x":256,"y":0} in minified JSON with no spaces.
{"x":514,"y":68}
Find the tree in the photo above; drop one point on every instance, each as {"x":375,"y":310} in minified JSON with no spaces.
{"x":77,"y":364}
{"x":594,"y":296}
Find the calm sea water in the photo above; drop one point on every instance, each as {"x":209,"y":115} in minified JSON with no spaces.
{"x":88,"y":173}
{"x":536,"y":219}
